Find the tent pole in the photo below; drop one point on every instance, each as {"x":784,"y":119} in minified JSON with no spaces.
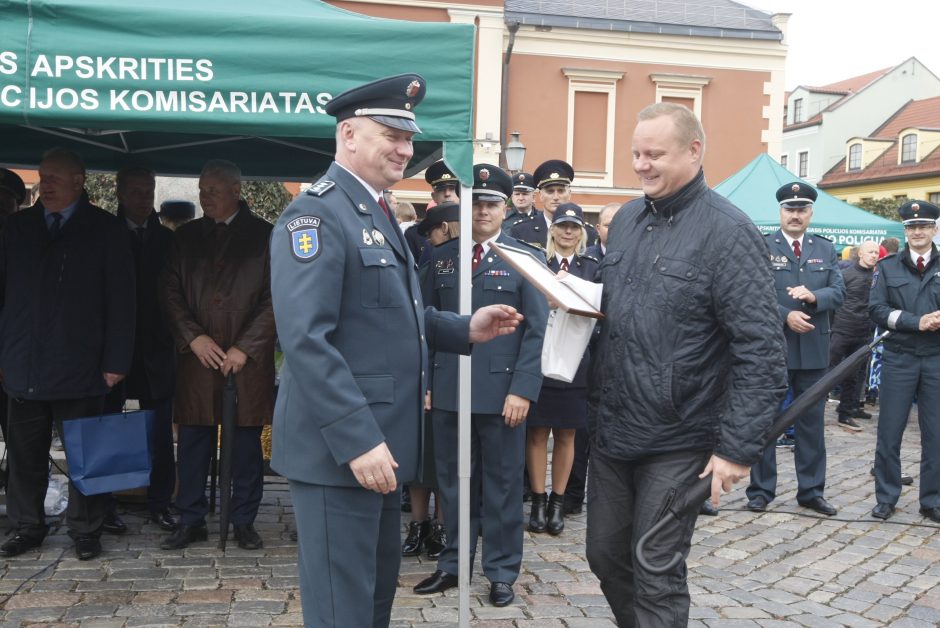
{"x":463,"y":417}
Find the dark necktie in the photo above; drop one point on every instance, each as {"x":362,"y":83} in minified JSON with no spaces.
{"x":139,"y":233}
{"x":920,"y":264}
{"x":56,"y":225}
{"x":564,"y":264}
{"x":477,"y":255}
{"x":384,"y":207}
{"x":796,"y":249}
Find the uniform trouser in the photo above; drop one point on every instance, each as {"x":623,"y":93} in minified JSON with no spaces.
{"x":842,"y":346}
{"x":625,"y":499}
{"x":809,"y":454}
{"x":30,"y":434}
{"x":194,"y":453}
{"x":577,"y":479}
{"x":349,"y":552}
{"x":497,"y":453}
{"x":904,"y":377}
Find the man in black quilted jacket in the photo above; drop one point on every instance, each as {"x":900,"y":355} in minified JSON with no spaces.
{"x":689,"y":368}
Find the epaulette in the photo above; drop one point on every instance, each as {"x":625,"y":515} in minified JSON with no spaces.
{"x":592,"y":258}
{"x":821,"y":237}
{"x":521,"y":220}
{"x":321,"y":187}
{"x":529,"y":245}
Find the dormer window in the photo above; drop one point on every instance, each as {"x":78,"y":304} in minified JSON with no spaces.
{"x":855,"y":157}
{"x":909,"y":148}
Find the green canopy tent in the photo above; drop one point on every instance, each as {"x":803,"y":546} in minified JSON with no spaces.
{"x":752,"y":189}
{"x":171,"y":83}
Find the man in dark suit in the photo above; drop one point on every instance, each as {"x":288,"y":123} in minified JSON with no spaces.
{"x":67,"y":280}
{"x":506,"y":379}
{"x":153,"y":370}
{"x":347,"y":426}
{"x":809,"y":288}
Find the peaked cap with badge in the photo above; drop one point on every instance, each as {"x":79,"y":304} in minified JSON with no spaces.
{"x":491,"y":183}
{"x":438,"y":175}
{"x":553,"y":172}
{"x":12,"y":182}
{"x":439,"y":214}
{"x":523,"y":181}
{"x":918,"y":213}
{"x":390,"y":101}
{"x":569,"y":212}
{"x":796,"y":194}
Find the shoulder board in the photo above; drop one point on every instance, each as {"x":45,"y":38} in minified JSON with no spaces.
{"x":590,"y":257}
{"x":520,"y":221}
{"x":321,"y":187}
{"x":822,"y":237}
{"x":532,"y":246}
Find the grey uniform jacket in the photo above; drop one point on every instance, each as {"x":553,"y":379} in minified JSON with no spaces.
{"x":508,"y":364}
{"x":897,"y":286}
{"x":818,"y":270}
{"x":353,"y":328}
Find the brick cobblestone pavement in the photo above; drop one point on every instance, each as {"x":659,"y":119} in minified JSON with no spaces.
{"x":786,"y":567}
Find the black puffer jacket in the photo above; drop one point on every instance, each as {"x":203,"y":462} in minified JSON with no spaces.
{"x":691,"y":354}
{"x":852,"y":319}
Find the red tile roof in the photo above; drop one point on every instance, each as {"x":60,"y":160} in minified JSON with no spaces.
{"x":854,"y":84}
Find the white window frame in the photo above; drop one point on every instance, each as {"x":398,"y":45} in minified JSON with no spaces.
{"x":686,"y":86}
{"x":593,"y":81}
{"x":799,"y":156}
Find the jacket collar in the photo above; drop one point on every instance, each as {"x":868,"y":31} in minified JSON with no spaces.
{"x":672,"y":205}
{"x":367,"y":207}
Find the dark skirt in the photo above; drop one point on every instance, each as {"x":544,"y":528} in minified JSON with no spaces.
{"x":562,"y":408}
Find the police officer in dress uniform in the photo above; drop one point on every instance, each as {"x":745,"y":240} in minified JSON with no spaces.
{"x":506,"y":378}
{"x":523,"y":200}
{"x":809,"y":288}
{"x":347,"y":424}
{"x":905,"y":299}
{"x":553,"y":181}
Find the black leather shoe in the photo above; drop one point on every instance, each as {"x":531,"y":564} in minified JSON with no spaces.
{"x":860,"y":414}
{"x":572,"y":507}
{"x":906,"y":480}
{"x":537,"y":516}
{"x":185,"y":535}
{"x":437,"y":540}
{"x":18,"y":544}
{"x":758,"y":504}
{"x":931,"y":513}
{"x":707,"y":509}
{"x":113,"y":524}
{"x":555,"y":516}
{"x":87,"y":547}
{"x":436,"y":583}
{"x":247,"y":537}
{"x":501,"y":594}
{"x":882,"y":511}
{"x":164,"y":519}
{"x":820,"y":505}
{"x":418,"y":531}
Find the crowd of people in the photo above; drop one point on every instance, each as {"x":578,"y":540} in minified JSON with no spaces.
{"x":708,"y":324}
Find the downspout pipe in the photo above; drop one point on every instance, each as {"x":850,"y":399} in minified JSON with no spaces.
{"x":504,"y":101}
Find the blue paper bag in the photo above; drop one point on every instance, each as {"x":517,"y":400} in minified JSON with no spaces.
{"x":111,"y":452}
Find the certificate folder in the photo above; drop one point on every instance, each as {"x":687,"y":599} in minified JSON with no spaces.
{"x":542,"y":277}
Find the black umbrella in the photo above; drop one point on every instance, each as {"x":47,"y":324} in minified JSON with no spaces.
{"x":229,"y":401}
{"x":703,"y":488}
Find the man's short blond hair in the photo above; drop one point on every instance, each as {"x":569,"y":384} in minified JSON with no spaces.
{"x":688,"y":125}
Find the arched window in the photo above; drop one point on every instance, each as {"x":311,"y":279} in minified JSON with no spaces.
{"x":855,"y":157}
{"x":909,"y":148}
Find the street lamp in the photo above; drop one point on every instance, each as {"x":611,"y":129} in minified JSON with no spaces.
{"x":515,"y":153}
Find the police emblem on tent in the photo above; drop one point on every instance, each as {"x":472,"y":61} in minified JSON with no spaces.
{"x":304,"y":238}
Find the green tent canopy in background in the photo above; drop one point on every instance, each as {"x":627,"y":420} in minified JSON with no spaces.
{"x":753,"y":190}
{"x":171,"y":83}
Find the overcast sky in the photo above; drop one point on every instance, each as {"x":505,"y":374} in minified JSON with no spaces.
{"x":831,"y":40}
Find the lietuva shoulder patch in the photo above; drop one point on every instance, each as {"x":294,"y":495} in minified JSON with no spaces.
{"x":304,"y":233}
{"x":321,"y":187}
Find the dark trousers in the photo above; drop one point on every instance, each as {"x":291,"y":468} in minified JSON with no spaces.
{"x":842,"y":346}
{"x":349,"y":552}
{"x":809,"y":454}
{"x":497,"y":452}
{"x":625,"y":499}
{"x":577,"y":480}
{"x":903,"y":378}
{"x":30,"y":434}
{"x":195,"y":444}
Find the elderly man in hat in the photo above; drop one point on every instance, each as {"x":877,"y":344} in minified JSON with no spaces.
{"x":553,"y":181}
{"x":809,"y":288}
{"x":350,"y":319}
{"x":905,"y":299}
{"x":506,"y":379}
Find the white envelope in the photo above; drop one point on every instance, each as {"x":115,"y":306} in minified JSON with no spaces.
{"x":567,"y":335}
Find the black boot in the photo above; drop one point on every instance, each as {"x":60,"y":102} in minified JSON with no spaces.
{"x":417,"y":533}
{"x":437,"y":540}
{"x":556,"y":514}
{"x":537,"y":520}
